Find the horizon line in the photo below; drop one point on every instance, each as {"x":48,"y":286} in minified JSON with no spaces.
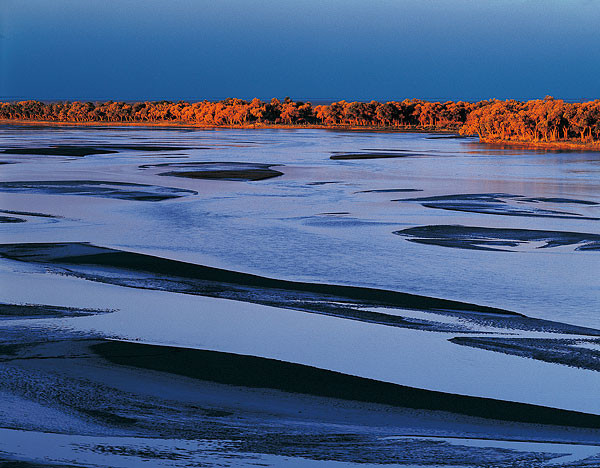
{"x":317,"y":101}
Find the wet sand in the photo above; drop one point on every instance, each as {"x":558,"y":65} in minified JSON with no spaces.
{"x":243,"y":171}
{"x":248,"y":371}
{"x":80,"y":151}
{"x":21,"y":311}
{"x":358,"y":156}
{"x":11,"y":219}
{"x":501,"y":204}
{"x":112,"y":391}
{"x":97,"y":188}
{"x":479,"y":238}
{"x":398,"y":190}
{"x":584,"y":354}
{"x":209,"y":280}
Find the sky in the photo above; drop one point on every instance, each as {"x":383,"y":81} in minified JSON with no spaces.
{"x":306,"y":49}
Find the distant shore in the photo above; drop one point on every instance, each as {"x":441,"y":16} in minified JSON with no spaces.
{"x":542,"y":145}
{"x":254,"y":125}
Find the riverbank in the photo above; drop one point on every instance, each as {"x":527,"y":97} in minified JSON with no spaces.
{"x":543,"y":145}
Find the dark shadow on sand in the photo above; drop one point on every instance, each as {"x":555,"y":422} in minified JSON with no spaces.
{"x":80,"y":151}
{"x":213,"y":280}
{"x":76,"y":151}
{"x":480,"y":238}
{"x":501,"y":204}
{"x":10,"y":220}
{"x":349,"y":302}
{"x":96,"y":188}
{"x":568,"y":352}
{"x":249,"y":371}
{"x":45,"y":311}
{"x":240,"y":171}
{"x":448,"y":137}
{"x":398,"y":190}
{"x":349,"y":156}
{"x":29,"y":213}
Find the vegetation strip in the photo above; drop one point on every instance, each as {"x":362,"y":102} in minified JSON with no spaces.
{"x":551,"y":122}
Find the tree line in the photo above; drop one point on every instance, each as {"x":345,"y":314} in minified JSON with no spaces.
{"x":547,"y":120}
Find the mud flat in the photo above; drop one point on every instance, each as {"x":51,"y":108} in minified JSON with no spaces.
{"x":97,"y":188}
{"x":14,"y":219}
{"x":501,"y":204}
{"x":479,"y":238}
{"x":87,"y":400}
{"x":398,"y":190}
{"x":218,"y":170}
{"x":398,"y":154}
{"x":287,"y":321}
{"x":44,"y":311}
{"x":584,"y":354}
{"x":248,"y":371}
{"x":29,"y":213}
{"x":131,"y":402}
{"x":11,"y":219}
{"x":214,"y":281}
{"x":80,"y":151}
{"x":136,"y":270}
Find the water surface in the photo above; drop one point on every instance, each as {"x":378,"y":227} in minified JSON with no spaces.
{"x":324,"y":220}
{"x":296,"y":297}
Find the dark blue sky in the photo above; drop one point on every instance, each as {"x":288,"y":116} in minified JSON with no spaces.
{"x":311,"y":49}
